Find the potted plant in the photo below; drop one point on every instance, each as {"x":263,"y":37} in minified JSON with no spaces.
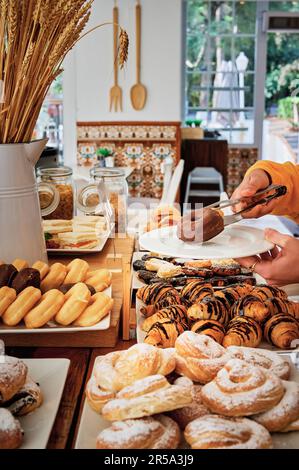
{"x":106,"y":156}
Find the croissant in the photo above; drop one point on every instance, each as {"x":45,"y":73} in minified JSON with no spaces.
{"x":155,"y":292}
{"x":211,"y":328}
{"x":233,"y":293}
{"x":282,"y":330}
{"x":167,"y":301}
{"x":163,"y":334}
{"x":243,"y":331}
{"x":175,"y":313}
{"x":264,"y":292}
{"x":210,"y":309}
{"x":250,"y":306}
{"x":278,"y":305}
{"x":195,"y":291}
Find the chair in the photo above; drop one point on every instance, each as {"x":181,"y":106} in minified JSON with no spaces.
{"x":206,"y":176}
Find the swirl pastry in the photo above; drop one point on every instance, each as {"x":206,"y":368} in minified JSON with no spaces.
{"x":155,"y":292}
{"x":264,"y":292}
{"x":176,"y":313}
{"x":96,"y":396}
{"x":167,"y":301}
{"x":164,"y":333}
{"x":211,"y":328}
{"x":184,"y":416}
{"x":284,"y":413}
{"x":270,"y":360}
{"x":26,"y":400}
{"x":242,"y":331}
{"x":195,"y":291}
{"x":119,"y":369}
{"x":210,"y":309}
{"x":199,"y":357}
{"x":242,"y":389}
{"x":220,"y":432}
{"x":11,"y":434}
{"x":13,"y":374}
{"x":159,"y":432}
{"x":281,"y":330}
{"x":251,"y":306}
{"x":277,"y":305}
{"x":146,"y":397}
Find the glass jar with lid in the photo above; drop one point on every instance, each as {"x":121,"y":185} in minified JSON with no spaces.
{"x":56,"y":192}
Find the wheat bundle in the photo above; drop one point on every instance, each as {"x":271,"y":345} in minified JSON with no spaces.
{"x":35,"y":36}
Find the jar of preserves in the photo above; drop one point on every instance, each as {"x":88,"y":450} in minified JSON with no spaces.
{"x":56,"y":192}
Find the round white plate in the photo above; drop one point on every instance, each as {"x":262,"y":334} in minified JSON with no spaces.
{"x":236,"y":241}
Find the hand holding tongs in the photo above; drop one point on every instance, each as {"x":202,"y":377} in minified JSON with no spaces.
{"x":261,"y":197}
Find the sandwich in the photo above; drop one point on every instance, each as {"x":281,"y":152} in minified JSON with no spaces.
{"x":57,"y":226}
{"x":84,"y":240}
{"x":89,"y":224}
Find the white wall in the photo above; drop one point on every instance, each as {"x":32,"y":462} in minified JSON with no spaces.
{"x":89,"y":69}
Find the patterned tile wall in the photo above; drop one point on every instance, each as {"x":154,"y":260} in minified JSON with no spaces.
{"x":239,"y":160}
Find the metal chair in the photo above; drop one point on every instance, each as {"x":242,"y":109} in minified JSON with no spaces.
{"x":205,"y":176}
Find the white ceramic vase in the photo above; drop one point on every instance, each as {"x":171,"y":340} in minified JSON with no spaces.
{"x":21,"y":233}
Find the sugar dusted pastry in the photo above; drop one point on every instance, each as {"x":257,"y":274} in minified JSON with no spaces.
{"x":13,"y":373}
{"x":147,"y":397}
{"x":285,"y":412}
{"x":159,"y":432}
{"x":220,"y":432}
{"x":199,"y":357}
{"x":242,"y":389}
{"x":26,"y":400}
{"x":11,"y":434}
{"x":96,"y":396}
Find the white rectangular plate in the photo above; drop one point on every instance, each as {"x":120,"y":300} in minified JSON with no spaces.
{"x":52,"y":327}
{"x":91,"y":424}
{"x":51,"y":375}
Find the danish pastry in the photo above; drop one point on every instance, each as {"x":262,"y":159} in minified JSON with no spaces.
{"x":220,"y":432}
{"x":285,"y":412}
{"x":282,"y":331}
{"x":211,"y":328}
{"x":13,"y":374}
{"x":185,"y":415}
{"x":11,"y":434}
{"x":26,"y":400}
{"x":175,"y":313}
{"x":196,"y":291}
{"x":146,"y":397}
{"x":251,"y":306}
{"x":164,"y":333}
{"x":210,"y":308}
{"x":199,"y":357}
{"x":96,"y":396}
{"x":242,"y":389}
{"x":242,"y":331}
{"x":159,"y":432}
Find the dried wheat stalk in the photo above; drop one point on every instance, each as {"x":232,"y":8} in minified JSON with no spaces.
{"x":35,"y":36}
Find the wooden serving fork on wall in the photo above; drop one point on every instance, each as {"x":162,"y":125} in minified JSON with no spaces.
{"x":116,"y":91}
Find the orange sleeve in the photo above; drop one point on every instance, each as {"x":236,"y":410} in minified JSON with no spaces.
{"x":288,"y":175}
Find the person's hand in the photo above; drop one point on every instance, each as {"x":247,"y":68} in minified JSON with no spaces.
{"x":256,"y":181}
{"x":280,"y":266}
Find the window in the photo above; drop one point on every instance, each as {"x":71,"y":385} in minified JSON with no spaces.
{"x":220,"y":66}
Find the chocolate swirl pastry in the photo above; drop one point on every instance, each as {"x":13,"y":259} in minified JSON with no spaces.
{"x":174,"y":281}
{"x":232,"y":294}
{"x":282,"y":330}
{"x":211,"y":328}
{"x":265,"y":292}
{"x":155,"y":292}
{"x":148,"y":256}
{"x":277,"y":305}
{"x":167,"y":301}
{"x":242,"y":331}
{"x":7,"y":274}
{"x":251,"y":306}
{"x":25,"y":278}
{"x":210,"y":309}
{"x":163,"y":334}
{"x":175,"y":313}
{"x":195,"y":291}
{"x":200,"y":225}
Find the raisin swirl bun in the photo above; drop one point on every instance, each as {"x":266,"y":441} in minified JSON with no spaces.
{"x":164,"y":333}
{"x":281,"y":330}
{"x":199,"y":357}
{"x":13,"y":374}
{"x":264,"y":292}
{"x":210,"y":308}
{"x":155,"y":292}
{"x":159,"y":432}
{"x":211,"y":328}
{"x":277,"y":305}
{"x":220,"y":432}
{"x":284,"y":413}
{"x":242,"y":389}
{"x":242,"y":331}
{"x":175,"y":313}
{"x":195,"y":291}
{"x":251,"y":306}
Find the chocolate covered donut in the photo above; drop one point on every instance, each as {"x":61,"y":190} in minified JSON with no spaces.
{"x":200,"y":225}
{"x":7,"y":273}
{"x":25,"y":278}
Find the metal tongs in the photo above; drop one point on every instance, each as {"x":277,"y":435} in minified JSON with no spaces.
{"x":261,"y":197}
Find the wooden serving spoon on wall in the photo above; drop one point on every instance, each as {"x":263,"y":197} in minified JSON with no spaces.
{"x":138,"y":91}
